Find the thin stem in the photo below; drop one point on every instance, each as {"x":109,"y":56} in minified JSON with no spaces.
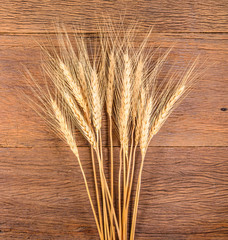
{"x":89,"y":195}
{"x":119,"y":190}
{"x":97,"y":193}
{"x":102,"y":184}
{"x":110,"y":210}
{"x":137,"y":200}
{"x":114,"y":233}
{"x":130,"y":157}
{"x":112,"y":172}
{"x":111,"y":146}
{"x":126,"y":202}
{"x":103,"y":179}
{"x":124,"y":194}
{"x":132,"y":177}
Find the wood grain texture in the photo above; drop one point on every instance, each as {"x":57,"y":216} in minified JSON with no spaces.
{"x":167,"y":16}
{"x":183,"y":192}
{"x":185,"y":179}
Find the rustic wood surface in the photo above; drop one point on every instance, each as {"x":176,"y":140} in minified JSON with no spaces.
{"x":185,"y":180}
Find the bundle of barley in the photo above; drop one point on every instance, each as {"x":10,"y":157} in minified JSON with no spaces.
{"x":122,"y":80}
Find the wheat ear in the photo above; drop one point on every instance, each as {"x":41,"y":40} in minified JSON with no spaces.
{"x":165,"y":111}
{"x":125,"y":103}
{"x":141,"y":104}
{"x":95,"y":101}
{"x":110,"y":92}
{"x":66,"y":132}
{"x":145,"y":127}
{"x":75,"y":88}
{"x":136,"y":88}
{"x":80,"y":120}
{"x":82,"y":78}
{"x":64,"y":128}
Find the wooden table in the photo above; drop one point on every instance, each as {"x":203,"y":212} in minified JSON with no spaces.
{"x":185,"y":180}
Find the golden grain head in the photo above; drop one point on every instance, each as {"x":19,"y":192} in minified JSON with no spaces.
{"x":138,"y":78}
{"x":75,"y":88}
{"x":165,"y":111}
{"x":64,"y":128}
{"x":95,"y":99}
{"x":110,"y":84}
{"x":125,"y":102}
{"x":145,"y":127}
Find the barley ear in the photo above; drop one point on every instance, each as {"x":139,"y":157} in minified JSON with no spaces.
{"x":95,"y":101}
{"x":110,"y":90}
{"x":81,"y":122}
{"x":141,"y":104}
{"x":125,"y":100}
{"x":165,"y":111}
{"x":75,"y":88}
{"x":64,"y":128}
{"x":145,"y":127}
{"x":136,"y":87}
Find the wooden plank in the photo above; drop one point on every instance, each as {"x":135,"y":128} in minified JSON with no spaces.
{"x":167,"y":16}
{"x":184,"y":194}
{"x":201,"y":120}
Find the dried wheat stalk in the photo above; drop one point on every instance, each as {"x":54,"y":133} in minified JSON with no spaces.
{"x":135,"y":102}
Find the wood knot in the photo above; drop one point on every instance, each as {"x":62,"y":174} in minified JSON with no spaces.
{"x":223,"y":109}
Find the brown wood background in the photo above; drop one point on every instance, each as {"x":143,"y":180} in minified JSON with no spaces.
{"x":185,"y":181}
